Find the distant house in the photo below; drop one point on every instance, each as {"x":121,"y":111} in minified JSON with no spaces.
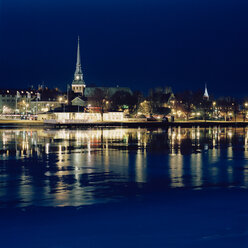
{"x":79,"y":101}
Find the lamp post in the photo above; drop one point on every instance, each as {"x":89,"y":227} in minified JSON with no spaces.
{"x":66,"y":101}
{"x":214,"y":104}
{"x":16,"y":105}
{"x":36,"y":110}
{"x":60,"y":100}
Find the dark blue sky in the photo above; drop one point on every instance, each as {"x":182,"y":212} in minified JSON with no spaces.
{"x":140,"y":44}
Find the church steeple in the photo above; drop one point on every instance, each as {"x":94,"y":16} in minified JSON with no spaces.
{"x":78,"y":84}
{"x":206,"y":96}
{"x":78,"y":76}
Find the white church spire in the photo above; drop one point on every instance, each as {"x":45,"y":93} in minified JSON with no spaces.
{"x":206,"y":96}
{"x":78,"y":76}
{"x":78,"y":84}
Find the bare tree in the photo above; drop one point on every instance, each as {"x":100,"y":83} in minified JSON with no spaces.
{"x":100,"y":98}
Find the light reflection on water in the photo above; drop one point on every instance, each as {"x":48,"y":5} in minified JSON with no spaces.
{"x":78,"y":167}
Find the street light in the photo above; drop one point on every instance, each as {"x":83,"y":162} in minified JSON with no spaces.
{"x":214,"y":104}
{"x":245,"y":111}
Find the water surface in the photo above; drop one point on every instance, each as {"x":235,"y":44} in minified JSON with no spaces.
{"x":83,"y":167}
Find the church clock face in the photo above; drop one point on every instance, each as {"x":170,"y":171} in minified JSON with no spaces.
{"x":77,"y":77}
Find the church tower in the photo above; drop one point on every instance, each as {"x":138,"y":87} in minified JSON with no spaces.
{"x":78,"y":84}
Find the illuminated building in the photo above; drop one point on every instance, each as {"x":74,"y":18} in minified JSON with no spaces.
{"x":16,"y":101}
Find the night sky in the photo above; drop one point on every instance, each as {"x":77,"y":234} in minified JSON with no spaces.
{"x":139,"y":44}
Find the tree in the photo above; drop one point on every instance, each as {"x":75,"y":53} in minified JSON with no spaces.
{"x":235,"y":108}
{"x":123,"y":99}
{"x":145,"y":107}
{"x":206,"y":108}
{"x":137,"y":99}
{"x":50,"y":94}
{"x":162,"y":111}
{"x":101,"y":100}
{"x":120,"y":99}
{"x":225,"y":105}
{"x":158,"y":99}
{"x":186,"y":102}
{"x":189,"y":101}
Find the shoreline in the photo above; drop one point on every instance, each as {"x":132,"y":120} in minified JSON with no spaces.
{"x":133,"y":124}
